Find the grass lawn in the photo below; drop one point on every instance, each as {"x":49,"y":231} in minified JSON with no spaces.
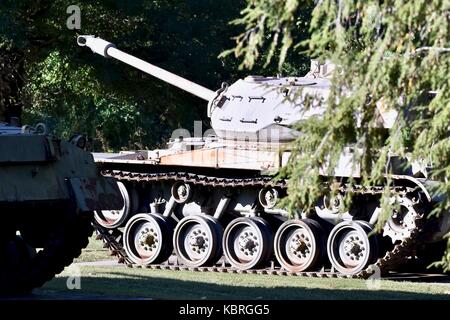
{"x":94,"y":252}
{"x":158,"y":284}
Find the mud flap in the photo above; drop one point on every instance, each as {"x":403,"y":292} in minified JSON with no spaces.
{"x":92,"y":194}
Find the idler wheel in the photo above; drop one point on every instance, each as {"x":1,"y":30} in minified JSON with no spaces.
{"x":111,"y":219}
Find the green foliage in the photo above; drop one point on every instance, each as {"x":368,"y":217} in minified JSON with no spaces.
{"x":390,"y":54}
{"x":272,"y":26}
{"x":75,"y":91}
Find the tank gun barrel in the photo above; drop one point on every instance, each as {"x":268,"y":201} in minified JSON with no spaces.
{"x":107,"y":49}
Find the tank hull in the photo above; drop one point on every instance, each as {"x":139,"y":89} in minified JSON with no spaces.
{"x":235,"y":186}
{"x":48,"y":191}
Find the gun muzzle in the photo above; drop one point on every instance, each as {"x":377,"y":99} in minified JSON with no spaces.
{"x":109,"y":50}
{"x":97,"y":45}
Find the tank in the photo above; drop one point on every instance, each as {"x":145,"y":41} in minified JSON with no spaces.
{"x":211,"y":203}
{"x":49,"y":190}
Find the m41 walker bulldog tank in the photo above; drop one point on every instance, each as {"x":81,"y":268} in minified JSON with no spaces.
{"x":205,"y":198}
{"x":48,"y":191}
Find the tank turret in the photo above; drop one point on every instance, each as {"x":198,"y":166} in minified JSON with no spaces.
{"x":254,"y":108}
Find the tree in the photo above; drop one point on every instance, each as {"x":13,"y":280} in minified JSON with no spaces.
{"x":72,"y":90}
{"x":394,"y":52}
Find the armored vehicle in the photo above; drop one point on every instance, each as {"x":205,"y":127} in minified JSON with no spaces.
{"x":211,"y":203}
{"x":49,"y":190}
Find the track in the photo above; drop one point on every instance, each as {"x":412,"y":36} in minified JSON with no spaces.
{"x":391,"y":259}
{"x":65,"y":244}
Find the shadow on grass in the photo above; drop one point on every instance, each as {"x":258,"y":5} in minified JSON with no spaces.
{"x":139,"y":287}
